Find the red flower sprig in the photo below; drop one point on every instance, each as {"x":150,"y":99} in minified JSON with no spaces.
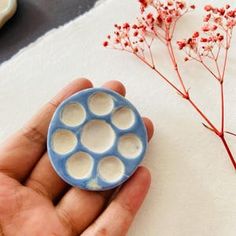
{"x":158,"y":21}
{"x":215,"y":34}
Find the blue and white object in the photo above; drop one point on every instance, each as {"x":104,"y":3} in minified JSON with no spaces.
{"x":96,"y":139}
{"x":7,"y":10}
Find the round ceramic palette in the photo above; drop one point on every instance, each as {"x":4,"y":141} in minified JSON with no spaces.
{"x":7,"y":10}
{"x":96,"y":139}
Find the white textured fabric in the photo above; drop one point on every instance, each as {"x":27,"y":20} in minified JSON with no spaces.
{"x":193,"y":183}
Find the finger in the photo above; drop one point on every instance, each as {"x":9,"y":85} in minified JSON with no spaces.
{"x":117,"y":218}
{"x":21,"y":151}
{"x":116,"y":86}
{"x":43,"y":178}
{"x":79,"y":208}
{"x":45,"y":181}
{"x":149,"y":127}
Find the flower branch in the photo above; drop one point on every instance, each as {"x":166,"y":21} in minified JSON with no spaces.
{"x":158,"y":22}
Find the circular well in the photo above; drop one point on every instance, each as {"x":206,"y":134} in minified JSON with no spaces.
{"x":111,"y":169}
{"x":101,"y":103}
{"x":63,"y":141}
{"x":79,"y":165}
{"x":98,"y":136}
{"x":123,"y":118}
{"x":130,"y":146}
{"x":73,"y":114}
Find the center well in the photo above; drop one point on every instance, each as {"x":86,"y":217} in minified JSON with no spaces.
{"x":98,"y":136}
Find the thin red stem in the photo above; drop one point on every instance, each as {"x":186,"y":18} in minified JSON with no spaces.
{"x":220,"y":79}
{"x":172,"y":55}
{"x":153,"y":68}
{"x":204,"y":116}
{"x":187,"y":97}
{"x":222,"y":85}
{"x":228,"y":151}
{"x":207,"y":67}
{"x":222,"y":107}
{"x":159,"y":36}
{"x":216,"y":64}
{"x":218,"y":53}
{"x":225,"y":63}
{"x":176,"y":21}
{"x":150,"y":52}
{"x":160,"y":74}
{"x":231,"y":133}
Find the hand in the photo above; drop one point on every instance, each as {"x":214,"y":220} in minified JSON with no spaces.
{"x":34,"y":201}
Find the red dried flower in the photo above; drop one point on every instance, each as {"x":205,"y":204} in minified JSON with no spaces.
{"x":181,"y":44}
{"x":126,"y":26}
{"x":192,"y":43}
{"x":105,"y":44}
{"x":117,"y":40}
{"x":117,"y":26}
{"x":231,"y":14}
{"x":214,"y":27}
{"x":135,"y":33}
{"x":204,"y":40}
{"x":144,"y":4}
{"x":149,"y":16}
{"x":206,"y":28}
{"x":169,"y":20}
{"x":196,"y":35}
{"x":207,"y":18}
{"x":220,"y":38}
{"x":126,"y":44}
{"x":218,"y":20}
{"x":170,"y":3}
{"x":221,"y":11}
{"x":230,"y":24}
{"x":181,"y":4}
{"x":208,"y":8}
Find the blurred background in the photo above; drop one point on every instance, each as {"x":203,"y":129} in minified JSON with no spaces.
{"x":33,"y":18}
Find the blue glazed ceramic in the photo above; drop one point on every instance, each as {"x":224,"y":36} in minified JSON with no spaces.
{"x":96,"y":139}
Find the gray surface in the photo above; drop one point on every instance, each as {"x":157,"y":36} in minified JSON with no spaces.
{"x":35,"y":17}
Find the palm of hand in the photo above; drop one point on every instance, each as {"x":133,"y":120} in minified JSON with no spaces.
{"x":34,"y":201}
{"x":27,"y":212}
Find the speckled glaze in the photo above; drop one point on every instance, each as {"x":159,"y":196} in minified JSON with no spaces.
{"x":94,"y":181}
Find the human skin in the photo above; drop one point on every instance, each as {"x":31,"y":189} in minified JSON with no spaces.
{"x":35,"y":201}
